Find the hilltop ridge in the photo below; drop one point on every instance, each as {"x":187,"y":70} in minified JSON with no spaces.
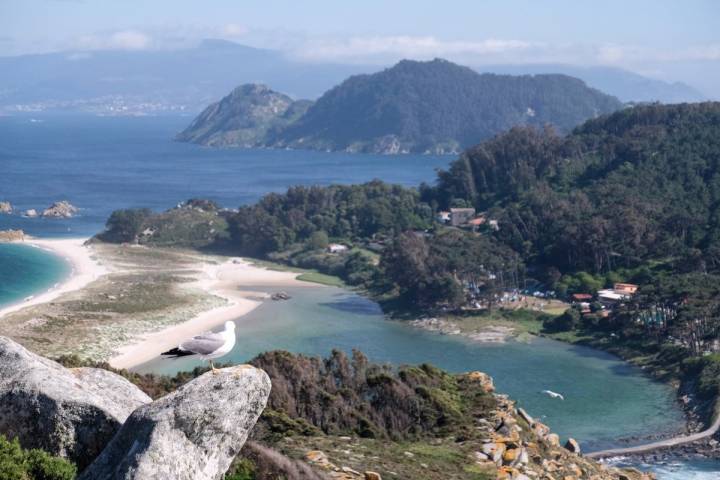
{"x":413,"y":107}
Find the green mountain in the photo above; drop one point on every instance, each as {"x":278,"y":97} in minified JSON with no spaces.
{"x":248,"y":117}
{"x":419,"y":107}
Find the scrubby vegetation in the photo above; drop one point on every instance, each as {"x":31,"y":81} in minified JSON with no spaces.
{"x":347,"y":416}
{"x":193,"y":224}
{"x":17,"y":463}
{"x":314,"y":398}
{"x":342,"y":396}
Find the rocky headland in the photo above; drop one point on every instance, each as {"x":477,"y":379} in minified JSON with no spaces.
{"x":110,"y":429}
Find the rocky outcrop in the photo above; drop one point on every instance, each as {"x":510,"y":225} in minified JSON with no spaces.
{"x":12,"y":235}
{"x":520,"y":447}
{"x":6,"y":207}
{"x":32,"y":213}
{"x":193,"y":433}
{"x":248,"y":117}
{"x":69,"y":413}
{"x":572,"y":445}
{"x":63,"y":209}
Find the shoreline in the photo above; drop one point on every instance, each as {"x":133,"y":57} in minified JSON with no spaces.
{"x":242,"y":285}
{"x":694,"y":426}
{"x":226,"y":281}
{"x":84,"y":270}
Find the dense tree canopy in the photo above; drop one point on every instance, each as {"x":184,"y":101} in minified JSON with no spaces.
{"x":438,"y":105}
{"x":638,"y":184}
{"x":441,"y":268}
{"x":367,"y":211}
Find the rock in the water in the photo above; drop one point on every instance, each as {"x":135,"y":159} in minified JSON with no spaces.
{"x":32,"y":213}
{"x":63,"y":209}
{"x":193,"y":433}
{"x":70,"y":413}
{"x":572,"y":445}
{"x":6,"y":207}
{"x":12,"y":235}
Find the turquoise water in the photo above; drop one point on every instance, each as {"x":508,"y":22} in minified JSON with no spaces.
{"x":605,"y":398}
{"x":26,"y":271}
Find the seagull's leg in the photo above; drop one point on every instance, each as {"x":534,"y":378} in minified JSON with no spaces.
{"x":212,"y":367}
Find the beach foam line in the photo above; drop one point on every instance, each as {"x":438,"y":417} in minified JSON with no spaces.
{"x":84,"y":270}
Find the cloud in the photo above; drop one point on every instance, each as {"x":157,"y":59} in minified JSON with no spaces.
{"x":130,"y":40}
{"x":232,"y":30}
{"x":75,"y":57}
{"x":611,"y":54}
{"x":119,"y":40}
{"x":367,"y":48}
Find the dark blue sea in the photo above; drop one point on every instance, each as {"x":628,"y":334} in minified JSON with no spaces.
{"x":101,"y":164}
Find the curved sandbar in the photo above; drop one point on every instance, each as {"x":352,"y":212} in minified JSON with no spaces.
{"x":225,"y":280}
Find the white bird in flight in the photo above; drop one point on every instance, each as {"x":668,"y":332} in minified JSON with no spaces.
{"x":207,"y":346}
{"x":553,"y":394}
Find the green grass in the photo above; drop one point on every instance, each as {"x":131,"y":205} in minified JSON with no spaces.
{"x":306,"y":275}
{"x":521,"y":321}
{"x":275,"y":266}
{"x":321,"y":278}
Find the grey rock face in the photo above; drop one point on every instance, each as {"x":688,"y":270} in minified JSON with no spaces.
{"x":191,"y":434}
{"x":61,"y":209}
{"x":70,"y":413}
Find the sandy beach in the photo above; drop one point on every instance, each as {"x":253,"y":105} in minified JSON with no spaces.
{"x":225,"y":280}
{"x":84,"y":270}
{"x":237,"y":286}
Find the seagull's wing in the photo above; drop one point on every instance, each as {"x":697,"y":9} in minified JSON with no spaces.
{"x":204,"y":344}
{"x":561,"y":397}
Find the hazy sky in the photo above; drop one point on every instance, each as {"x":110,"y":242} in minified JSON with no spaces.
{"x":671,"y":40}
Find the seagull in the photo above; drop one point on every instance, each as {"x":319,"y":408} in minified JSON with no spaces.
{"x":553,"y":394}
{"x":208,"y":345}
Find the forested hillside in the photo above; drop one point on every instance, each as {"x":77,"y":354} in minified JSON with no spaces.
{"x":643,"y":183}
{"x":423,"y":107}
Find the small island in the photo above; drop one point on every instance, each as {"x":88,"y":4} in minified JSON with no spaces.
{"x":434,"y":107}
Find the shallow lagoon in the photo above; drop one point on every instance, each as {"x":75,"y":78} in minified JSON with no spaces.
{"x":605,"y":398}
